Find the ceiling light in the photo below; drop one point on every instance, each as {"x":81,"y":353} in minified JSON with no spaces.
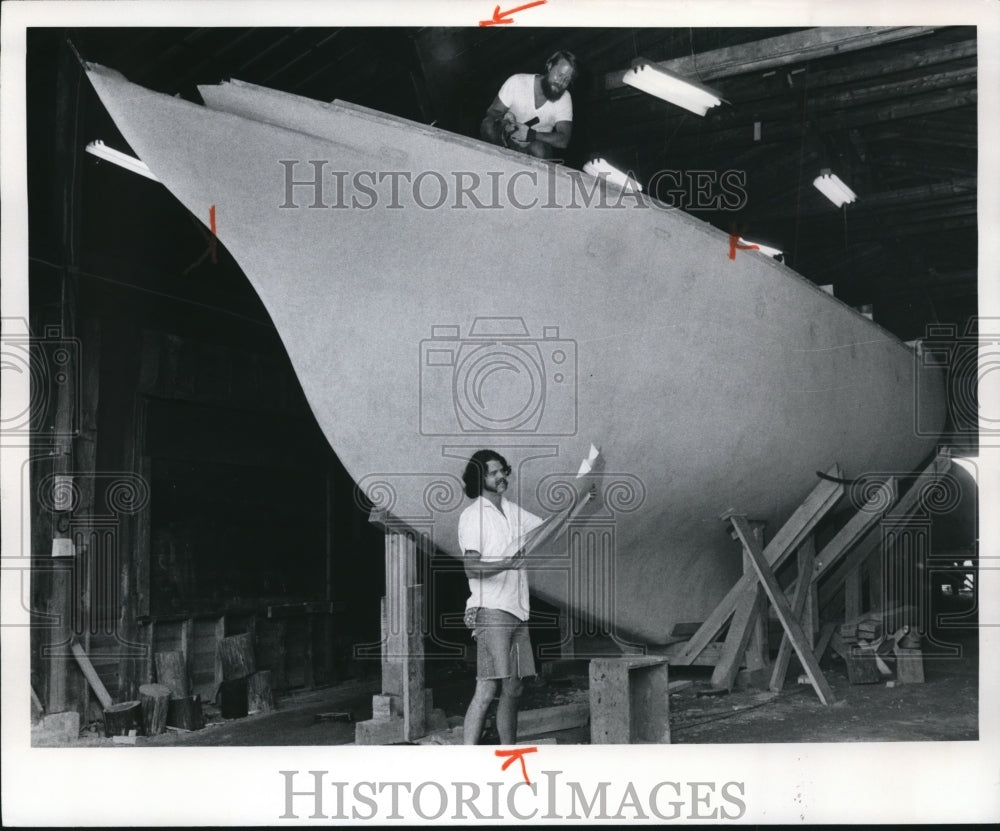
{"x":832,"y":188}
{"x":602,"y":170}
{"x":670,"y":87}
{"x":764,"y":249}
{"x":102,"y":151}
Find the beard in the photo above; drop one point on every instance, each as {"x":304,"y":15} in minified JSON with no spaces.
{"x":549,"y":91}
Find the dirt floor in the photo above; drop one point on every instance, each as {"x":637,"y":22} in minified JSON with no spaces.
{"x":943,"y":708}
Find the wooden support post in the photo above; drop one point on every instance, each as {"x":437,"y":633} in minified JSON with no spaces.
{"x":402,"y":613}
{"x":414,"y":698}
{"x":804,"y":588}
{"x":758,"y":651}
{"x":629,"y":701}
{"x":852,"y":593}
{"x":777,"y":597}
{"x":220,"y":633}
{"x":874,"y":568}
{"x":737,"y":639}
{"x":820,"y":500}
{"x":58,"y":609}
{"x":810,"y":611}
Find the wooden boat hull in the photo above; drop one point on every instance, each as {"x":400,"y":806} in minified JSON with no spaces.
{"x":422,"y":333}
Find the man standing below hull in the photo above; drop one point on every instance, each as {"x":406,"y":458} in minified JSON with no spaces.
{"x":498,"y":606}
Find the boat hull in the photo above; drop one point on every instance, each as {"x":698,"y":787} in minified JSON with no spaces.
{"x":422,"y":332}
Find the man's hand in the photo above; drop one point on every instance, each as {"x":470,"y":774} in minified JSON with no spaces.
{"x":519,"y":133}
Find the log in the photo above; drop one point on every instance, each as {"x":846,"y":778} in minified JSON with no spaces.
{"x":236,"y":654}
{"x":260,"y":699}
{"x":185,"y":713}
{"x":119,"y":719}
{"x":172,"y":673}
{"x":154,"y":699}
{"x":233,"y":698}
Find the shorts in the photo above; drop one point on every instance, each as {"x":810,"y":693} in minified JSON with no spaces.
{"x":503,"y":646}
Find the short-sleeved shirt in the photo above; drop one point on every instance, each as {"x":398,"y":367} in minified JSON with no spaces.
{"x":518,"y":95}
{"x":482,"y":528}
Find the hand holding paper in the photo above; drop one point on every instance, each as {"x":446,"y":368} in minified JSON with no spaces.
{"x":552,"y":526}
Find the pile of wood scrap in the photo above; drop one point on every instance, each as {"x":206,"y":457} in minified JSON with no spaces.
{"x":871,"y":642}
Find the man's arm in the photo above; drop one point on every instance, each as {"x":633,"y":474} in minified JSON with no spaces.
{"x":497,"y":109}
{"x":559,"y":137}
{"x":476,"y":567}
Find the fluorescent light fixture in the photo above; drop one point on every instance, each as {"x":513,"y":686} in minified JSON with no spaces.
{"x":764,"y":249}
{"x":832,"y":188}
{"x":602,"y":170}
{"x":102,"y":151}
{"x":670,"y":87}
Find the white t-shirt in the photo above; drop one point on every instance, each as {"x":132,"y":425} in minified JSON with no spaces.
{"x":518,"y":95}
{"x":482,"y":528}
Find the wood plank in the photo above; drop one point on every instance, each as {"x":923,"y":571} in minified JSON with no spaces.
{"x":824,"y":639}
{"x":781,"y":50}
{"x":805,"y":588}
{"x":784,"y":612}
{"x":758,"y":650}
{"x":810,"y":613}
{"x":90,"y":673}
{"x":857,"y":526}
{"x":852,"y":593}
{"x":874,"y":570}
{"x":414,"y":699}
{"x":551,"y":719}
{"x":737,"y":638}
{"x":802,"y":522}
{"x":906,"y":505}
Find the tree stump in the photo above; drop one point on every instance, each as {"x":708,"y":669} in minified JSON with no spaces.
{"x":185,"y":713}
{"x":154,"y":699}
{"x":119,"y":719}
{"x":172,"y":673}
{"x":260,"y":699}
{"x":233,"y":698}
{"x":236,"y":654}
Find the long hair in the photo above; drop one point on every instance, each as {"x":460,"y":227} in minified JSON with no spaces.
{"x":475,"y":471}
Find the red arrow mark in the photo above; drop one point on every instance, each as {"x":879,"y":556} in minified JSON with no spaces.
{"x":517,"y":754}
{"x":503,"y":18}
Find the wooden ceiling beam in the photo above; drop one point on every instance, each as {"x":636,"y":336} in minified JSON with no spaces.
{"x":779,"y":51}
{"x":790,"y":129}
